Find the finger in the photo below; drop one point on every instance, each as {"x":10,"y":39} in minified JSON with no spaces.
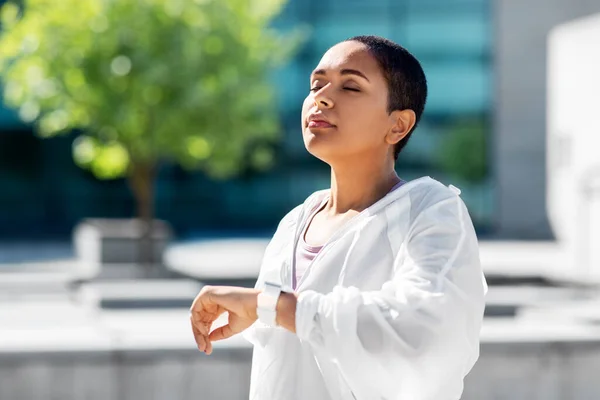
{"x":198,"y":323}
{"x":221,"y":333}
{"x":196,"y":311}
{"x":198,"y":296}
{"x":209,"y":347}
{"x":198,"y":337}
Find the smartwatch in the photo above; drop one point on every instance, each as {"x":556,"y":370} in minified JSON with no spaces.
{"x":266,"y":303}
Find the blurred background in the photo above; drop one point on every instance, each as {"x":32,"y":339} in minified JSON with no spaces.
{"x":150,"y":147}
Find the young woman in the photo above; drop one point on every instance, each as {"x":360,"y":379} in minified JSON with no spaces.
{"x":373,"y":288}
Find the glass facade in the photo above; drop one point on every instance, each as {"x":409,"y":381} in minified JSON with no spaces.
{"x":43,"y":192}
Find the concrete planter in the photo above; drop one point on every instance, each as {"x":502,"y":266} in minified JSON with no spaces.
{"x":111,"y":248}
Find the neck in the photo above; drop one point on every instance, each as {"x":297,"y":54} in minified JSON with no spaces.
{"x":357,"y":185}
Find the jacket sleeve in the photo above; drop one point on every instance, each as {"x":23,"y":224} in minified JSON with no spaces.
{"x":418,"y":335}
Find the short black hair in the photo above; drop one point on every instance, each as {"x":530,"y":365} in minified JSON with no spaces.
{"x":407,"y":85}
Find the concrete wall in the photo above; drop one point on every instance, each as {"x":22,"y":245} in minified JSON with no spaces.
{"x":126,"y":375}
{"x":535,"y":371}
{"x":505,"y":371}
{"x":521,"y":29}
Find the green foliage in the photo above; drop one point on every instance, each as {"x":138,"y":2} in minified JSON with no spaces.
{"x":147,"y":80}
{"x":463,"y":152}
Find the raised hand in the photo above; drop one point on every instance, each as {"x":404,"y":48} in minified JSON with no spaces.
{"x":213,"y":301}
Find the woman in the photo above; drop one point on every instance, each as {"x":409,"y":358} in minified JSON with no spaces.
{"x":372,"y":289}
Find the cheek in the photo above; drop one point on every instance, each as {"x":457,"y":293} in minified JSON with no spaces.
{"x":306,"y":107}
{"x":356,"y":117}
{"x":364,"y":126}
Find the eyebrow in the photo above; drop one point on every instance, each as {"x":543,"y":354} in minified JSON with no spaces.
{"x":342,"y":72}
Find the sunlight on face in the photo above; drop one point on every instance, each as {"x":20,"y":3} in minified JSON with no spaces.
{"x":345,"y":114}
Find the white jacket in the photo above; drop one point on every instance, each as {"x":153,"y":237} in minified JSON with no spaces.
{"x":391,"y":308}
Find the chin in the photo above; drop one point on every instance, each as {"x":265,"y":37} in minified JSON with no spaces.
{"x":318,"y":148}
{"x":322,"y":144}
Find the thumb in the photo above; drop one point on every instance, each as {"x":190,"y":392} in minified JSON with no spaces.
{"x":223,"y":332}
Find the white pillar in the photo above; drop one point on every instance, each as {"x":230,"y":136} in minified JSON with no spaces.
{"x":573,"y":152}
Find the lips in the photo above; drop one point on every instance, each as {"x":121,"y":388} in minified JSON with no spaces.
{"x":318,"y":121}
{"x":319,"y":124}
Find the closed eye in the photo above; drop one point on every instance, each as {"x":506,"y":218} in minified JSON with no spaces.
{"x":317,"y":88}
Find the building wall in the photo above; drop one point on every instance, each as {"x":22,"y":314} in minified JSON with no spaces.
{"x":519,"y":159}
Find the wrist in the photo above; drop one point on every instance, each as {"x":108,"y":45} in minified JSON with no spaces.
{"x":286,"y":311}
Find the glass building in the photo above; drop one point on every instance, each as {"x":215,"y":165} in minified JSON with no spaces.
{"x":42,"y":192}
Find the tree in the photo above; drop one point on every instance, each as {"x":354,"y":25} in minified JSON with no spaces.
{"x":147,"y":81}
{"x":463,"y":152}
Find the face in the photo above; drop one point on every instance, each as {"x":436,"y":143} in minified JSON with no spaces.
{"x":345,"y":114}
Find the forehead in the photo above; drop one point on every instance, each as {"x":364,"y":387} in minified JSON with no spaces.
{"x":350,"y":55}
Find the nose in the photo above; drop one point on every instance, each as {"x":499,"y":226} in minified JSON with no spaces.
{"x":322,"y":99}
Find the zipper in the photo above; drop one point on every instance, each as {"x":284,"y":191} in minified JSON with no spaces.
{"x":345,"y":381}
{"x":292,"y":263}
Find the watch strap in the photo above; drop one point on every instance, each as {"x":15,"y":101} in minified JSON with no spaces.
{"x":266,"y":305}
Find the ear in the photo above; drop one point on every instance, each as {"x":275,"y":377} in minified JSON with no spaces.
{"x":402,"y":122}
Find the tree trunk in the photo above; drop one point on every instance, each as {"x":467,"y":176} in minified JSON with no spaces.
{"x":141,"y":181}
